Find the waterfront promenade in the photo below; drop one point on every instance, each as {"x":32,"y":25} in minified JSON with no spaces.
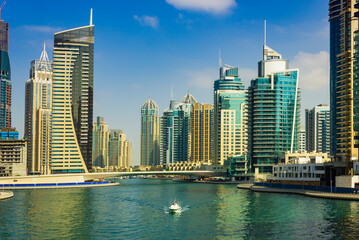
{"x":317,"y":194}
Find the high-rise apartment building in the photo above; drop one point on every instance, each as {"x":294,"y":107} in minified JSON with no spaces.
{"x":5,"y":77}
{"x":230,"y":119}
{"x":119,"y":149}
{"x":150,"y":134}
{"x":38,"y":114}
{"x":72,"y":100}
{"x":100,"y":143}
{"x":273,"y":111}
{"x":175,"y":132}
{"x":302,"y":139}
{"x":317,"y":126}
{"x":343,"y":25}
{"x":201,"y":126}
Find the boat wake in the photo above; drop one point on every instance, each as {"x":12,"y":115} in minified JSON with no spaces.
{"x":165,"y":209}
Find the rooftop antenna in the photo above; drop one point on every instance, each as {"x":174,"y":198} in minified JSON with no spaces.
{"x":265,"y":32}
{"x":91,"y":18}
{"x":44,"y":56}
{"x":220,"y":59}
{"x":2,"y":6}
{"x":171,"y":93}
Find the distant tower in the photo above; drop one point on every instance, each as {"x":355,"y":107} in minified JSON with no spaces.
{"x":229,"y":133}
{"x":317,"y":124}
{"x":73,"y":100}
{"x":38,"y":113}
{"x":201,"y":127}
{"x":119,"y":149}
{"x":100,"y":143}
{"x":150,"y":134}
{"x":175,"y":135}
{"x":5,"y":75}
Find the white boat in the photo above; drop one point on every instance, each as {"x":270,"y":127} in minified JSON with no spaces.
{"x":174,"y":208}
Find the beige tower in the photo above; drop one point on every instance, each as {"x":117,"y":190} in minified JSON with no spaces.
{"x":201,"y":128}
{"x":38,"y":113}
{"x":119,"y":149}
{"x":100,"y":143}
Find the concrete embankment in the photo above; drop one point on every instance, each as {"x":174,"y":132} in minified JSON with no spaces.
{"x":6,"y":194}
{"x":317,"y":194}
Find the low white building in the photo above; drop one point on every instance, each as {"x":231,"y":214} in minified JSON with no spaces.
{"x":300,"y":168}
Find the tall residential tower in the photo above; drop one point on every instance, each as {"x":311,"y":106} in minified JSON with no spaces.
{"x":100,"y":143}
{"x":72,"y":100}
{"x":273,"y":111}
{"x":343,"y":25}
{"x":150,"y":134}
{"x":38,"y":113}
{"x":5,"y":77}
{"x":230,"y":118}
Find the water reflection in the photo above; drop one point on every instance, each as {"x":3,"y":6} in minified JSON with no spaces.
{"x":136,"y":210}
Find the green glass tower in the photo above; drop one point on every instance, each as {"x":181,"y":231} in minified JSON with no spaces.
{"x":273,"y":112}
{"x":150,"y":134}
{"x":230,"y":136}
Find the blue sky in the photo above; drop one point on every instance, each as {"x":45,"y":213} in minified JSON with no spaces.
{"x":144,"y":46}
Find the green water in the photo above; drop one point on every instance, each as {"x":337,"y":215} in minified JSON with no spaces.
{"x":136,"y":209}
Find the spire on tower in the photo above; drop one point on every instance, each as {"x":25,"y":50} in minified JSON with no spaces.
{"x":171,"y":93}
{"x":91,"y":18}
{"x":44,"y":56}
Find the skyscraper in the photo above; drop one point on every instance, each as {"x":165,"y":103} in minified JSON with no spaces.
{"x":343,"y":25}
{"x":119,"y":149}
{"x":302,"y":139}
{"x":273,"y":111}
{"x":317,"y":127}
{"x":150,"y":134}
{"x":5,"y":77}
{"x":175,"y":132}
{"x":38,"y":112}
{"x":201,"y":124}
{"x":100,"y":143}
{"x":230,"y":123}
{"x":72,"y":100}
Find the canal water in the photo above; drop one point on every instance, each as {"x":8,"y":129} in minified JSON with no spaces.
{"x":137,"y":209}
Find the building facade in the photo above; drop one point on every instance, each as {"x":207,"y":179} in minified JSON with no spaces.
{"x":273,"y":111}
{"x":302,"y":139}
{"x":38,"y":114}
{"x":72,"y":100}
{"x":150,"y":134}
{"x":230,"y":115}
{"x":317,"y":128}
{"x":5,"y":77}
{"x":9,"y":133}
{"x":175,"y":136}
{"x":343,"y":25}
{"x":201,"y":127}
{"x":100,"y":143}
{"x":119,"y":150}
{"x":12,"y":157}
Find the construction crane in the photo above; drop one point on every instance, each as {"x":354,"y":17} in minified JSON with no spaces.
{"x":2,"y":6}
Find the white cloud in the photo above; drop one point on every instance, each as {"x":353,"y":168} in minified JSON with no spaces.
{"x":313,"y":70}
{"x":210,"y":6}
{"x":151,"y":21}
{"x":42,"y":29}
{"x":202,"y":78}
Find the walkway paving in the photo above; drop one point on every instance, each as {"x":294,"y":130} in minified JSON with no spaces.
{"x":317,"y":194}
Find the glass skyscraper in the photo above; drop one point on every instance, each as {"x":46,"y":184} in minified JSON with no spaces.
{"x":5,"y":77}
{"x":273,"y":112}
{"x":230,"y":133}
{"x":150,"y":134}
{"x":175,"y":132}
{"x":72,"y":100}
